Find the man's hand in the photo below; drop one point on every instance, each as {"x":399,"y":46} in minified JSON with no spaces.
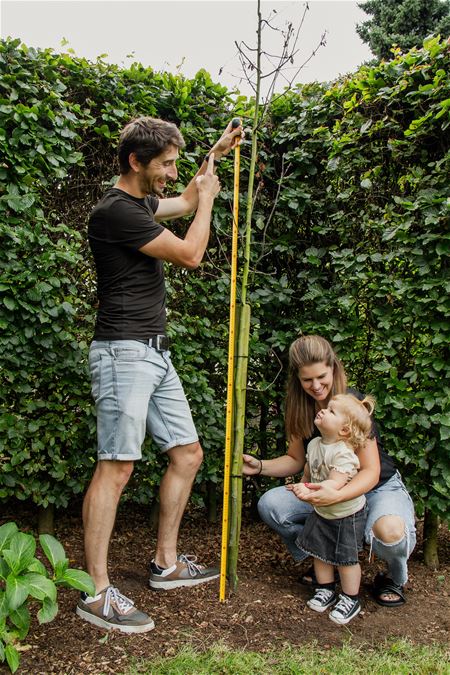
{"x":229,"y":140}
{"x":251,"y":465}
{"x":208,"y":185}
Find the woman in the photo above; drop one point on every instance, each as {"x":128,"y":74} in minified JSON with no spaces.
{"x":315,"y":376}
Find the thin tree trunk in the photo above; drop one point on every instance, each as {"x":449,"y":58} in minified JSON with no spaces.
{"x":154,"y":514}
{"x":238,"y":445}
{"x":46,"y":519}
{"x":430,"y":530}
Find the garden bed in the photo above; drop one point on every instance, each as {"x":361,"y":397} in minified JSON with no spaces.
{"x":267,"y":612}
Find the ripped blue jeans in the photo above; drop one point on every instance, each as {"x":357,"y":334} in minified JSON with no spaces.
{"x":286,"y":514}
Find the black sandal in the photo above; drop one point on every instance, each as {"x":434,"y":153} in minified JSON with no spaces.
{"x":383,"y":585}
{"x":309,"y":578}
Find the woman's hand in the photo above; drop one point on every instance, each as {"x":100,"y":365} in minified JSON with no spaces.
{"x":279,"y":467}
{"x":321,"y":495}
{"x":251,"y":465}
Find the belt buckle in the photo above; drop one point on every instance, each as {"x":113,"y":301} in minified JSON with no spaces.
{"x":161,"y":343}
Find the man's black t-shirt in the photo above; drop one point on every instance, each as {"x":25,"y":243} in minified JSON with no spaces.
{"x":387,"y":466}
{"x":130,"y":284}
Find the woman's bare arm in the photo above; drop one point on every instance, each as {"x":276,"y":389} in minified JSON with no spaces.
{"x":287,"y":465}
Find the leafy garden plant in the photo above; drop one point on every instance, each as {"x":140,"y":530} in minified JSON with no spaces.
{"x":25,"y":582}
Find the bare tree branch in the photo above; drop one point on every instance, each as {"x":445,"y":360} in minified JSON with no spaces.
{"x":274,"y":206}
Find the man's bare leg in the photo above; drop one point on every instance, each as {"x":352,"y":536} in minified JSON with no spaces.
{"x":99,"y":514}
{"x":184,"y":462}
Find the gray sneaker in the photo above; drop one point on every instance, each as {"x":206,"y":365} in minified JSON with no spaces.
{"x":113,"y":611}
{"x":185,"y":572}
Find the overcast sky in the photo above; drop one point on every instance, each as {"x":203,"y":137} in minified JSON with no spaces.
{"x":186,"y":35}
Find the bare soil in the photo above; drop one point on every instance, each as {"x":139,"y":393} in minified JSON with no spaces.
{"x":267,"y":612}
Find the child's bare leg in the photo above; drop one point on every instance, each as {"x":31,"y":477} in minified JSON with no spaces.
{"x":324,"y":572}
{"x":350,"y":576}
{"x":325,"y":589}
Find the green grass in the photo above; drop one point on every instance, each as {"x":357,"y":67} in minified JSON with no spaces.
{"x":399,"y":658}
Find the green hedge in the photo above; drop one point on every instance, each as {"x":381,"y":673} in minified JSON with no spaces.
{"x":355,"y":249}
{"x":367,"y":194}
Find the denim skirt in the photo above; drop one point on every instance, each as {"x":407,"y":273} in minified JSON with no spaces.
{"x":336,"y":542}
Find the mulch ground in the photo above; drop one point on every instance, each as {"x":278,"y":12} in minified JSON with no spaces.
{"x":267,"y":612}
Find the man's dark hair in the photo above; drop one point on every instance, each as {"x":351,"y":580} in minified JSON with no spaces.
{"x":147,"y":137}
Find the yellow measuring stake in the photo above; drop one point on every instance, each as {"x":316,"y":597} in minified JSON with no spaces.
{"x":230,"y":383}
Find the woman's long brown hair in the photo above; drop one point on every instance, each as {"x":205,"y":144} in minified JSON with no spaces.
{"x":300,"y":407}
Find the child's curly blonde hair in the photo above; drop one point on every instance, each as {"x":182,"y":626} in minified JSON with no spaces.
{"x":358,"y":417}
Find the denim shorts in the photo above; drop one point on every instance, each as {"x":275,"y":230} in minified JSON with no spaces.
{"x":334,"y":541}
{"x":137,"y":391}
{"x":392,"y":499}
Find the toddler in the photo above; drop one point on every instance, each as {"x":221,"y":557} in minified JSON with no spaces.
{"x":333,"y":535}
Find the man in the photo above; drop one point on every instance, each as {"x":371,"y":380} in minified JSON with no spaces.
{"x":134,"y":384}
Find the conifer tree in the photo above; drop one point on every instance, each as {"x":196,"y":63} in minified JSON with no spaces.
{"x":405,"y":23}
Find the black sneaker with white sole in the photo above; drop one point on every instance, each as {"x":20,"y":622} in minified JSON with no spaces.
{"x":345,"y":610}
{"x":111,"y":610}
{"x":322,"y":599}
